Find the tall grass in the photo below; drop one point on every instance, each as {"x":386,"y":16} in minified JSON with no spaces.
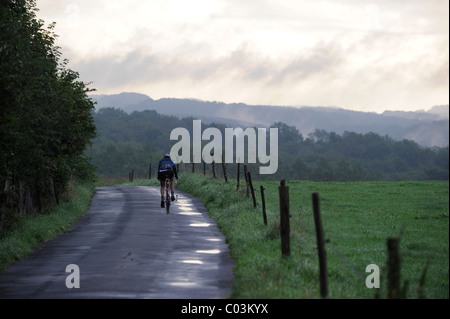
{"x":31,"y":231}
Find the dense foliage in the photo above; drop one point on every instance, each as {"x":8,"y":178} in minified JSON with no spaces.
{"x":133,"y":141}
{"x":46,"y":117}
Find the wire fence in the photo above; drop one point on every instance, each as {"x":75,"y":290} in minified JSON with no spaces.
{"x":251,"y":190}
{"x":395,"y":288}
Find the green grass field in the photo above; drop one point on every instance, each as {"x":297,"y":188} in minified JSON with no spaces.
{"x":357,"y":219}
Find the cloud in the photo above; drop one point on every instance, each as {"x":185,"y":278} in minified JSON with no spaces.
{"x":320,"y":60}
{"x":357,"y":75}
{"x":360,"y":54}
{"x":243,"y":65}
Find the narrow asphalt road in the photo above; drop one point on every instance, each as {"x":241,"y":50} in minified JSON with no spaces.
{"x":126,"y":246}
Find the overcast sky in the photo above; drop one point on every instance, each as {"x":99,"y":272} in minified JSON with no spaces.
{"x":355,"y":54}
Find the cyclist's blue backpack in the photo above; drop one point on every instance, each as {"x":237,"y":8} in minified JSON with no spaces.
{"x":165,"y":165}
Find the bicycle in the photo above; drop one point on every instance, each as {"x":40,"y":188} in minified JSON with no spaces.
{"x":167,"y":182}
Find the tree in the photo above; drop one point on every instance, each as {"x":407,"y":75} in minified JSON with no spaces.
{"x":299,"y":169}
{"x":343,"y":171}
{"x":45,"y":115}
{"x":323,"y":171}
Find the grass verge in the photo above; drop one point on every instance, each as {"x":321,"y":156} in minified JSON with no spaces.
{"x":32,"y":230}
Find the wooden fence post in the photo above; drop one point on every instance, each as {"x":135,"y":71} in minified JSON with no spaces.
{"x":224,"y":169}
{"x":249,"y":177}
{"x":204,"y":167}
{"x":393,"y":268}
{"x":320,"y":247}
{"x":213,"y":169}
{"x":263,"y":202}
{"x":246,"y":180}
{"x":193,"y":168}
{"x":283,"y":191}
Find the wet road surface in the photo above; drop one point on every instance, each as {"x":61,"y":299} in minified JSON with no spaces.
{"x":126,"y":246}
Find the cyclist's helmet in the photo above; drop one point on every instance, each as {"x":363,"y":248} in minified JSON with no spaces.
{"x":167,"y":155}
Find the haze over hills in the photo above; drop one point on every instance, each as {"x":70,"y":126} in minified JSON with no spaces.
{"x":427,"y":128}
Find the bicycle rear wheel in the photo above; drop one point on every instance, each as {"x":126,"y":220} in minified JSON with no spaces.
{"x":167,"y":198}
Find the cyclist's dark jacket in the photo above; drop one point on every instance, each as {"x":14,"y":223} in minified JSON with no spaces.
{"x":166,"y":165}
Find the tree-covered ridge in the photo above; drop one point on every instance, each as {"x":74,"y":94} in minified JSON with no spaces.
{"x":133,"y":141}
{"x":427,"y":128}
{"x":46,"y":117}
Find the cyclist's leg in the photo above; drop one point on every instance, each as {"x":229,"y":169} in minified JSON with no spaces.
{"x":172,"y":197}
{"x":171,"y":185}
{"x":162,"y":180}
{"x":167,"y":186}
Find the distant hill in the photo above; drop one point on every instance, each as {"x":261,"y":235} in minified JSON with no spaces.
{"x":121,"y":101}
{"x":427,"y":128}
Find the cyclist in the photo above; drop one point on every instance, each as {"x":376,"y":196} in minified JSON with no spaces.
{"x":167,"y":169}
